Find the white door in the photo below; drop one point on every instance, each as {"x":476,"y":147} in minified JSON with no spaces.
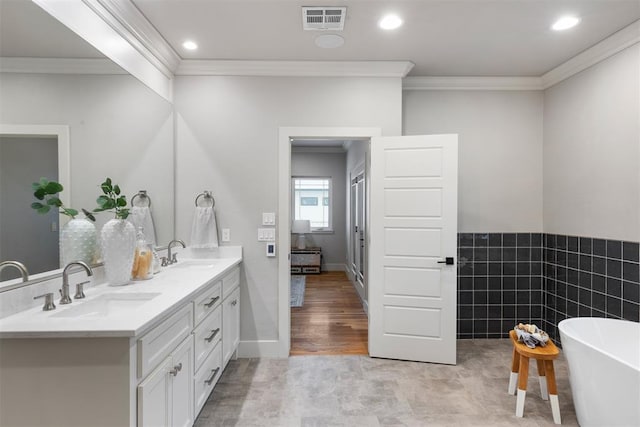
{"x":413,"y":229}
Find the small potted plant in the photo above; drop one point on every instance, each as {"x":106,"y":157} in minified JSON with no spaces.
{"x":118,"y":236}
{"x":78,"y":239}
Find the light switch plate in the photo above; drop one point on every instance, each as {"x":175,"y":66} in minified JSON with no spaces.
{"x":268,"y":218}
{"x":266,"y":234}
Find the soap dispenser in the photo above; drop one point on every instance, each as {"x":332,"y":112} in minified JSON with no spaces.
{"x":143,"y":258}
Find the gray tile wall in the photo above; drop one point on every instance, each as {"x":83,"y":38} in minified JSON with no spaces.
{"x":506,"y":278}
{"x":590,"y":277}
{"x":500,"y":282}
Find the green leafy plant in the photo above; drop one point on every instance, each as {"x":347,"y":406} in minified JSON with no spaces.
{"x":48,"y":193}
{"x":112,"y":200}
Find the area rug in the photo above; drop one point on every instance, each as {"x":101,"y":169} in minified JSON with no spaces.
{"x":297,"y":290}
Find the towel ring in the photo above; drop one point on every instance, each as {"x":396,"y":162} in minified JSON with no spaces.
{"x":207,"y":196}
{"x":142,"y":194}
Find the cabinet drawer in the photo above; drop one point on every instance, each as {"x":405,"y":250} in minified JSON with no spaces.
{"x":207,"y":335}
{"x":206,"y":302}
{"x":230,"y":282}
{"x":207,"y":377}
{"x":158,"y":343}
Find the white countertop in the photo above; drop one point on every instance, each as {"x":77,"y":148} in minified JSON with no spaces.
{"x":175,"y":286}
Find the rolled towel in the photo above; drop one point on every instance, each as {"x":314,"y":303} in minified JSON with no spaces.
{"x":531,"y":335}
{"x":140,"y":216}
{"x":204,"y":230}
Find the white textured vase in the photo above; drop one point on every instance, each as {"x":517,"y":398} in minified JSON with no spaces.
{"x":78,"y":242}
{"x":118,"y":241}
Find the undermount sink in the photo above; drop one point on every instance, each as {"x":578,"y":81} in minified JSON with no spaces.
{"x":197,"y":263}
{"x":108,"y":304}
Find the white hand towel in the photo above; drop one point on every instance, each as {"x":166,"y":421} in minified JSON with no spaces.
{"x":204,"y":232}
{"x":140,"y":216}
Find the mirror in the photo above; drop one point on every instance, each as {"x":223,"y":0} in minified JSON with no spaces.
{"x":52,"y":80}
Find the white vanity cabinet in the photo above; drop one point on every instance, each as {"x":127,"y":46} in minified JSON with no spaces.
{"x":155,"y":366}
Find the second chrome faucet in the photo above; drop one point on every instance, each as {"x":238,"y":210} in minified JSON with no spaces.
{"x":172,"y":259}
{"x":64,"y":292}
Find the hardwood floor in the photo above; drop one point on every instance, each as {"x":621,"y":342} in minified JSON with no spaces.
{"x":332,"y":320}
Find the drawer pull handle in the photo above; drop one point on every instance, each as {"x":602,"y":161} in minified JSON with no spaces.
{"x":214,"y":372}
{"x":212,"y":336}
{"x":234,"y":302}
{"x":213,"y":301}
{"x":176,"y":369}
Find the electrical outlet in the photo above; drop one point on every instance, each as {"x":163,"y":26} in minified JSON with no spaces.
{"x":226,"y":235}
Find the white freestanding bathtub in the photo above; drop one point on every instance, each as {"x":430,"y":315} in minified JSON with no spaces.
{"x":604,"y":370}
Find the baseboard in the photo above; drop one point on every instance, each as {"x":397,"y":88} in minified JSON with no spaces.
{"x":334,"y":267}
{"x":365,"y":305}
{"x":259,"y":348}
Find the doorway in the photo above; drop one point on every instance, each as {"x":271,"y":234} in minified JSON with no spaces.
{"x":327,"y":296}
{"x":287,"y":136}
{"x":28,"y":152}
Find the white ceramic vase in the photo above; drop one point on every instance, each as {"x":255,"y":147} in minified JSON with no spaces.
{"x":118,"y":241}
{"x":78,"y":242}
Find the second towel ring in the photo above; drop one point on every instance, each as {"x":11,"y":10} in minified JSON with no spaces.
{"x":207,"y":196}
{"x":143,"y":196}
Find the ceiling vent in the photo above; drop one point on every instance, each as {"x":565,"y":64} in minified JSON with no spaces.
{"x":323,"y":18}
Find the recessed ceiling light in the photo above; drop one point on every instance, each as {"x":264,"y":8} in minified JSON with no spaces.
{"x":190,"y":45}
{"x":329,"y":41}
{"x":565,"y":23}
{"x":390,"y":22}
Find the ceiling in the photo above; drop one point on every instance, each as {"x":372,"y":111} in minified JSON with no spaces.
{"x":441,"y":37}
{"x":26,"y":30}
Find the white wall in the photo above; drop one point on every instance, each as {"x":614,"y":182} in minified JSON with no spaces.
{"x":331,"y":165}
{"x":500,"y":153}
{"x":118,"y":128}
{"x":227,"y":141}
{"x":592,"y":151}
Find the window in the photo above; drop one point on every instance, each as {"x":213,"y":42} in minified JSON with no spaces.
{"x":312,"y":201}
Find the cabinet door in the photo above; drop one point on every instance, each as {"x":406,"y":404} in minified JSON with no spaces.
{"x":182,"y":388}
{"x":154,"y":396}
{"x":230,"y":325}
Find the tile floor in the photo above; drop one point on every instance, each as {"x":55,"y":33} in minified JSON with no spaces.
{"x":361,"y":391}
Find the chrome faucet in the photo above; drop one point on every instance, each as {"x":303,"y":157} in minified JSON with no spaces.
{"x":20,"y":266}
{"x":64,"y":292}
{"x":172,"y":259}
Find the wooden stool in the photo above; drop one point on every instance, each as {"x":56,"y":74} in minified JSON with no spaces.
{"x":520,"y":374}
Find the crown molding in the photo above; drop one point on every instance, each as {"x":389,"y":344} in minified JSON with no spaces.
{"x":125,"y":19}
{"x":608,"y":47}
{"x":471,"y":83}
{"x":192,"y":67}
{"x":91,"y":21}
{"x":59,"y":66}
{"x":140,"y":32}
